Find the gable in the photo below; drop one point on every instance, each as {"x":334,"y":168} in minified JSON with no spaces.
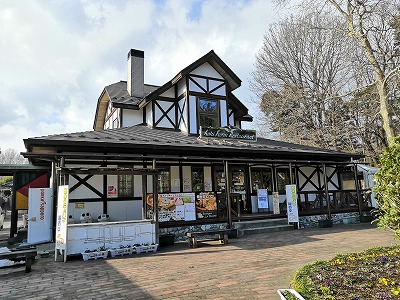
{"x":206,"y":70}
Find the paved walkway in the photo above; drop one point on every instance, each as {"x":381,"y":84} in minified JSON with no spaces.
{"x":251,"y":267}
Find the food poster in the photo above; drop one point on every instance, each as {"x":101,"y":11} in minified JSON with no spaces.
{"x":173,"y":207}
{"x":206,"y":205}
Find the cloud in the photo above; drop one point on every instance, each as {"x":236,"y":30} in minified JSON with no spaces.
{"x":57,"y":56}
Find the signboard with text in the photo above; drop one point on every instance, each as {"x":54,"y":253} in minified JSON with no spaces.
{"x":206,"y":205}
{"x":262,"y":198}
{"x":62,"y":217}
{"x":292,"y":208}
{"x":229,"y":133}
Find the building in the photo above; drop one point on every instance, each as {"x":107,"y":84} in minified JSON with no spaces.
{"x":186,"y":138}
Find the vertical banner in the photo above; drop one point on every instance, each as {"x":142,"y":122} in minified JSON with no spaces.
{"x":262,"y":198}
{"x":291,"y":201}
{"x":62,"y":220}
{"x":275,"y":203}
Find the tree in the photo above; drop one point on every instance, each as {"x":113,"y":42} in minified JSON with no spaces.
{"x":388,"y":188}
{"x":11,"y":156}
{"x":300,"y":71}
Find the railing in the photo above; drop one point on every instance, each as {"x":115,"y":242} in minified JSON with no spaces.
{"x":339,"y":201}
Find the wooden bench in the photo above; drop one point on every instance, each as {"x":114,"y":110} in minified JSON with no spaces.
{"x":220,"y":234}
{"x":27,"y":254}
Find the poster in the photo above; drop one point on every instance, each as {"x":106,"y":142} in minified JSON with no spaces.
{"x":62,"y":217}
{"x":262,"y":198}
{"x":112,"y":191}
{"x":172,"y":207}
{"x":206,"y":205}
{"x":292,"y":209}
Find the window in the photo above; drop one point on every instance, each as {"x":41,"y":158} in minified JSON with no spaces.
{"x":125,"y":185}
{"x":197,"y":179}
{"x":208,"y":113}
{"x":261,"y":179}
{"x":164,"y":185}
{"x":282,"y":179}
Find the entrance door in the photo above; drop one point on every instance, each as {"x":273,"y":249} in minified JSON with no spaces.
{"x":40,"y":208}
{"x":239,"y":200}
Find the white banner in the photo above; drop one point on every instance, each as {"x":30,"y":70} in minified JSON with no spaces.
{"x":291,"y":201}
{"x":62,"y":217}
{"x":262,"y":197}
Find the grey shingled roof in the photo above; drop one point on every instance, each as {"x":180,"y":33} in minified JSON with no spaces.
{"x":142,"y":139}
{"x":119,"y":95}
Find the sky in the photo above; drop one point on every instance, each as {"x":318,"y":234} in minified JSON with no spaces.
{"x":56,"y":56}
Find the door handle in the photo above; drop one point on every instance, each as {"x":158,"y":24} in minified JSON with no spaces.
{"x":32,"y":219}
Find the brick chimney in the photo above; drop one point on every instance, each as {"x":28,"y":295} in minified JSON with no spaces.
{"x":135,"y":83}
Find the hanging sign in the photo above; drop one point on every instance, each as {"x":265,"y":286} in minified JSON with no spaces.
{"x":262,"y":198}
{"x":291,"y":201}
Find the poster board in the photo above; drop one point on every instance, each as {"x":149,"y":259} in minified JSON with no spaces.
{"x":262,"y":198}
{"x":62,"y":220}
{"x":173,"y":206}
{"x":292,"y":208}
{"x":206,"y":205}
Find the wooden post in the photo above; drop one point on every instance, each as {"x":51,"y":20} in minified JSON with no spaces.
{"x":144,"y":196}
{"x":155,"y":202}
{"x":328,"y":202}
{"x":228,"y":194}
{"x":357,"y":189}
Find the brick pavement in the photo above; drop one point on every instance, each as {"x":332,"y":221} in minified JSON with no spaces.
{"x":251,"y":267}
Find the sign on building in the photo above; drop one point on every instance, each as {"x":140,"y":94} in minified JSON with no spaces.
{"x":291,"y":201}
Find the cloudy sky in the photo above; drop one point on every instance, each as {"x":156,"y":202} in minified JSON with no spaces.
{"x":56,"y":56}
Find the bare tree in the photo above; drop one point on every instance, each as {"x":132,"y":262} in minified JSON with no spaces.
{"x":11,"y":156}
{"x":299,"y":73}
{"x":371,"y":23}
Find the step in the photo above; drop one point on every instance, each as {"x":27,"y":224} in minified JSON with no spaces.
{"x":248,"y":231}
{"x":260,"y":223}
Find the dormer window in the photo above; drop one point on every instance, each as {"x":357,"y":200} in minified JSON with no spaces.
{"x":208,"y":113}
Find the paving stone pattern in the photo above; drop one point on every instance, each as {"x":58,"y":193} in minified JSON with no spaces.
{"x":250,"y":267}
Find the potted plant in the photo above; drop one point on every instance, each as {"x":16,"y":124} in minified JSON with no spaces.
{"x":289,"y":294}
{"x":325,"y":223}
{"x":122,"y":250}
{"x":95,"y":254}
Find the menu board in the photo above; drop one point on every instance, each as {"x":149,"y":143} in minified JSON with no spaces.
{"x":262,"y":197}
{"x":206,"y":205}
{"x":173,"y":207}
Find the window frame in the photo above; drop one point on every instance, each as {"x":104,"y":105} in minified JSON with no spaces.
{"x":213,"y":115}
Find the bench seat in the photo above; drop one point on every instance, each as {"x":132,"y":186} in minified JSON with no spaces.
{"x":221,"y":235}
{"x":27,"y":254}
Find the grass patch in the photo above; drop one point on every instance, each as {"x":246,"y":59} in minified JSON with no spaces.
{"x":371,"y":274}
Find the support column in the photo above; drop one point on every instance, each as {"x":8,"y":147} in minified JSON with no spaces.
{"x":357,"y":189}
{"x":14,"y":211}
{"x":328,"y":202}
{"x":228,"y":194}
{"x":144,"y":197}
{"x":155,"y":203}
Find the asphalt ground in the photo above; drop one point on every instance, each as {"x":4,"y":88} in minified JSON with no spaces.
{"x":251,"y":267}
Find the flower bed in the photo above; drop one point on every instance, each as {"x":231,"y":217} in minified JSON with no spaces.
{"x":146,"y":248}
{"x":121,"y":251}
{"x":94,"y":254}
{"x":372,"y":274}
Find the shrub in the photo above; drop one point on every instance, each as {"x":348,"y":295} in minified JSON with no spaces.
{"x":388,"y":188}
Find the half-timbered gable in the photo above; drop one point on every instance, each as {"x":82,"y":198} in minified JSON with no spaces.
{"x":198,"y":96}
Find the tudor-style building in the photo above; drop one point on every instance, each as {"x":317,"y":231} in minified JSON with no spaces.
{"x":146,"y":136}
